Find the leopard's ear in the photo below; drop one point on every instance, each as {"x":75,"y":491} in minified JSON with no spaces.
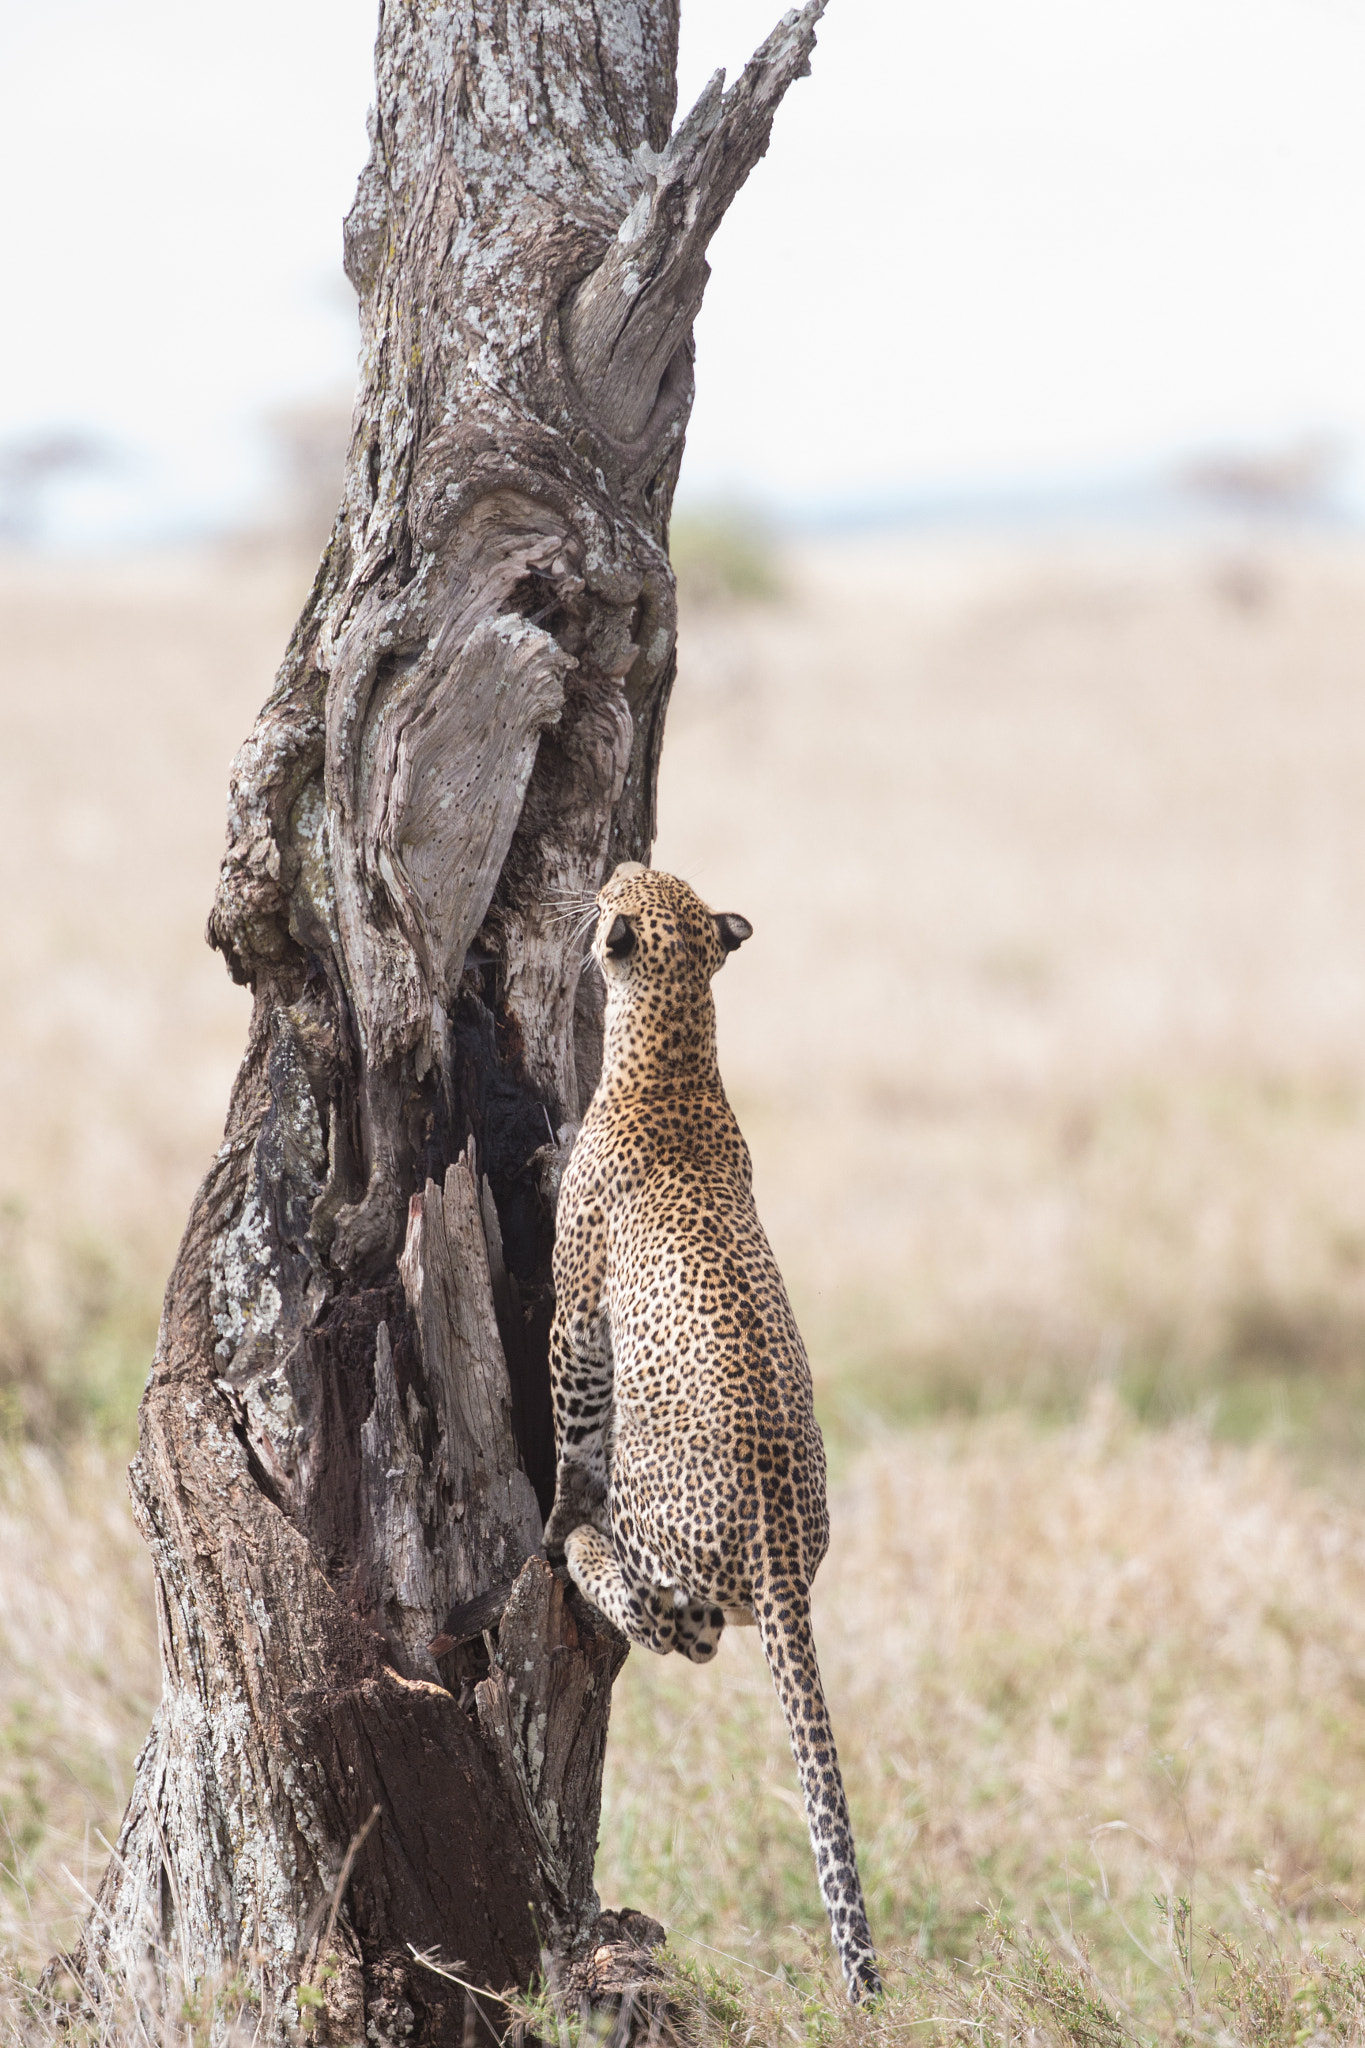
{"x":733,"y":929}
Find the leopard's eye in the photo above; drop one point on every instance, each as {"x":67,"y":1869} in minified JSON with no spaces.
{"x":621,"y":939}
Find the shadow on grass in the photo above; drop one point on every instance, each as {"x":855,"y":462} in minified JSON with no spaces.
{"x":77,"y":1332}
{"x":1288,"y":1372}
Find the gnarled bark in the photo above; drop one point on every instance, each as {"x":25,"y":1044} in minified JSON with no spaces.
{"x":346,"y":1437}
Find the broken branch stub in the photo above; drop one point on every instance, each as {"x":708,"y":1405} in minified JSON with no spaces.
{"x":346,"y":1437}
{"x":628,"y":326}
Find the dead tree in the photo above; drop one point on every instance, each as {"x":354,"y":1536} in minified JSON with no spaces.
{"x":346,"y":1434}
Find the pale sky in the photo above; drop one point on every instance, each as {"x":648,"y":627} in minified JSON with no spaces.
{"x":994,"y":242}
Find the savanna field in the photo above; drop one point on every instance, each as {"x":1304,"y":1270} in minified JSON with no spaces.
{"x":1050,"y":1050}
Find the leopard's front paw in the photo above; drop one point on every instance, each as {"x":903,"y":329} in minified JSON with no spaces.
{"x":579,"y":1498}
{"x":557,"y":1532}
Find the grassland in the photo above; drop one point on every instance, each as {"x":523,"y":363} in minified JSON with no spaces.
{"x":1050,"y":1047}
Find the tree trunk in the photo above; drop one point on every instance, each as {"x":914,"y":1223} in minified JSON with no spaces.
{"x":383,"y":1720}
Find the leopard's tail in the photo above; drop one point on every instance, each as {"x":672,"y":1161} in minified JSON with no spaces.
{"x":782,"y":1612}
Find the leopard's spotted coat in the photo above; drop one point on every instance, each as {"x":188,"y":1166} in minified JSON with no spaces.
{"x":691,"y":1477}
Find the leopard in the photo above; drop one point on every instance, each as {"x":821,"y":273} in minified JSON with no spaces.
{"x":690,"y":1486}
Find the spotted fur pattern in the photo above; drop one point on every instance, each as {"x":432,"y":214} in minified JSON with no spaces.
{"x":691,"y":1479}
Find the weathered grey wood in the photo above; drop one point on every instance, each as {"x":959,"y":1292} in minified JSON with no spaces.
{"x":628,"y":326}
{"x":493,"y":1524}
{"x":346,"y":1433}
{"x":554,"y":1665}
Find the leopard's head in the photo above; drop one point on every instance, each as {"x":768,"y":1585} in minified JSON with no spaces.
{"x":656,"y":937}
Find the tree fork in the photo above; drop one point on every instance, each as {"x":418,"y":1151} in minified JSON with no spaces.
{"x":346,"y":1435}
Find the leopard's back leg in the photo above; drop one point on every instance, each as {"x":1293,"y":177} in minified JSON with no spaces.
{"x":698,"y":1630}
{"x":659,"y":1617}
{"x":646,"y":1614}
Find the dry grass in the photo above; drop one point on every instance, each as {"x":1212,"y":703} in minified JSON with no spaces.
{"x":1050,"y":1044}
{"x":1072,"y":1673}
{"x":1050,"y":1047}
{"x":123,"y":695}
{"x":78,"y":1683}
{"x":1051,"y":1041}
{"x":1078,"y":1675}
